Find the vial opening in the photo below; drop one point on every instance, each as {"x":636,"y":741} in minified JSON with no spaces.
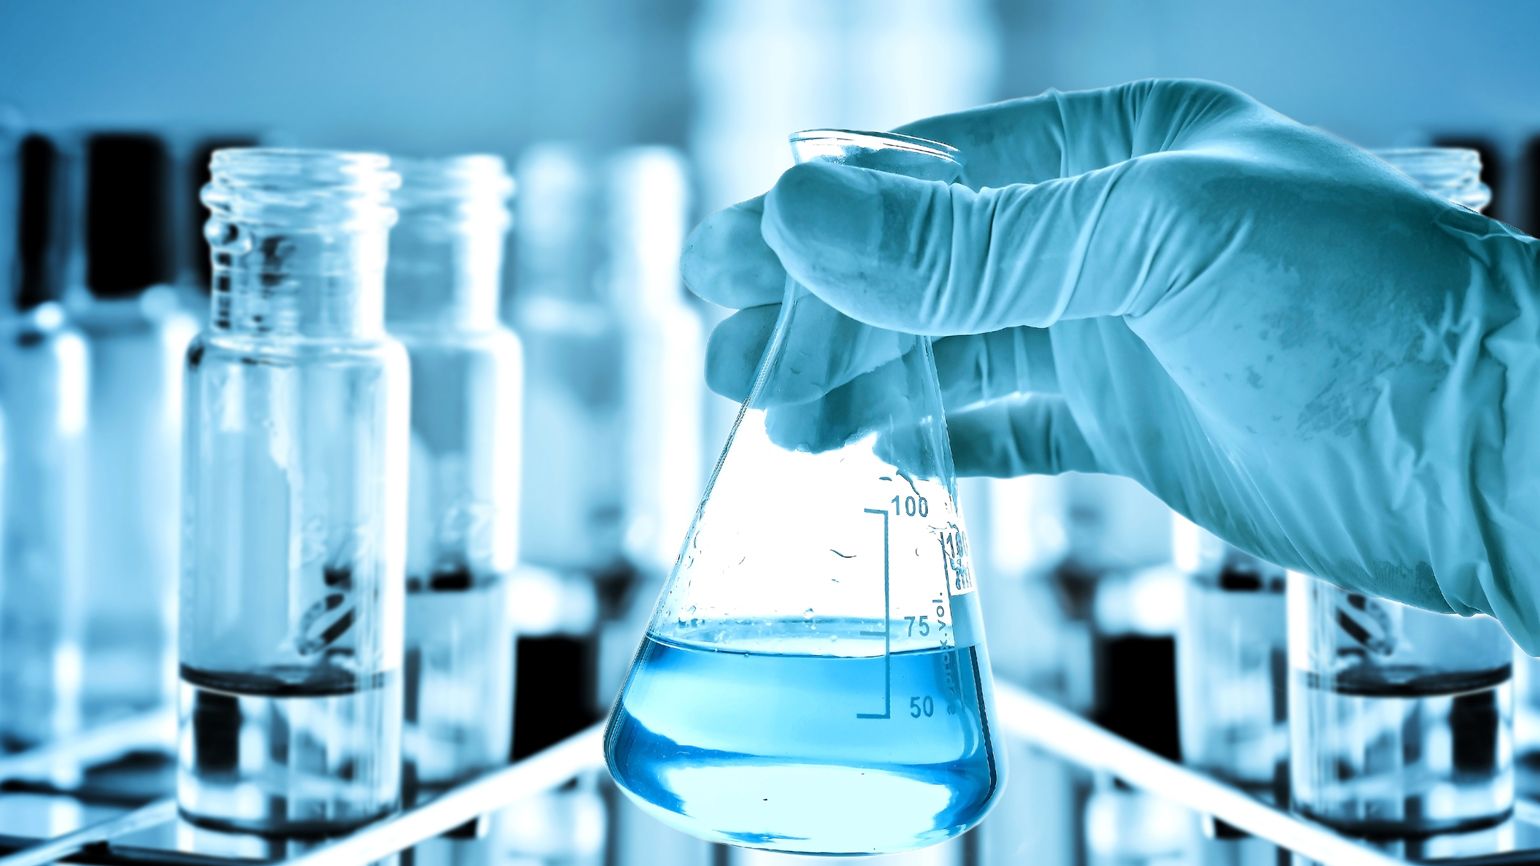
{"x":1453,"y":173}
{"x":474,"y":188}
{"x":300,"y":188}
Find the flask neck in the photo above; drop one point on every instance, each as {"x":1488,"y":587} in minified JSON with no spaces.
{"x":446,"y":251}
{"x":298,"y":240}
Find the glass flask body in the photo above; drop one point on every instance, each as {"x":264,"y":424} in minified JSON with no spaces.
{"x":814,"y":678}
{"x":1400,"y":720}
{"x":44,"y":373}
{"x":442,"y":291}
{"x":295,"y":504}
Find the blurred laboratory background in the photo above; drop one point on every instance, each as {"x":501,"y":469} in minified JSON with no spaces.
{"x":550,"y":492}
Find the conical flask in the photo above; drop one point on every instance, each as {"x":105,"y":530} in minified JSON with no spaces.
{"x":814,"y":678}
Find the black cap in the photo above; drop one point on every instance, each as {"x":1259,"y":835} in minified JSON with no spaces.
{"x":128,"y":210}
{"x":202,"y":268}
{"x":38,"y":274}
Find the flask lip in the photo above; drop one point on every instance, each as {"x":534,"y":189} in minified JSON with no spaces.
{"x":878,"y":140}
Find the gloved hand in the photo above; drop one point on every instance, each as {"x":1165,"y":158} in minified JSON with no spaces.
{"x":1280,"y":336}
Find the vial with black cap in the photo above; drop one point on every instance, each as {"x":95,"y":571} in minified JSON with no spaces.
{"x":136,"y":331}
{"x":43,"y":383}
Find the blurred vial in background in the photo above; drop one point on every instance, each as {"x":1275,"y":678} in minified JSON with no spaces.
{"x":1526,"y":725}
{"x":570,"y":525}
{"x":137,"y":330}
{"x":1232,"y":661}
{"x":574,"y":444}
{"x":1018,"y":538}
{"x":1400,"y":720}
{"x":613,"y":451}
{"x":646,"y":207}
{"x":443,"y":284}
{"x":1232,"y":681}
{"x":1129,"y":827}
{"x":44,"y":374}
{"x":293,"y":581}
{"x":1118,"y":538}
{"x":646,"y":216}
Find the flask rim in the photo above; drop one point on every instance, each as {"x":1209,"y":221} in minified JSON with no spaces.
{"x":881,"y":140}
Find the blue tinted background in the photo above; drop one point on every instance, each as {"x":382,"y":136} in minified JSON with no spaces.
{"x":489,"y":75}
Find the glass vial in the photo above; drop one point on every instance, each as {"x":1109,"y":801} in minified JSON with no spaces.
{"x":443,"y":286}
{"x":137,"y":331}
{"x":44,"y":373}
{"x":295,"y":524}
{"x":1399,"y":719}
{"x":574,"y":439}
{"x":1232,"y":665}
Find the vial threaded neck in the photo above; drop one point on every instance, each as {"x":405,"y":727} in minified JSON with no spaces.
{"x":298,"y":240}
{"x":446,"y":251}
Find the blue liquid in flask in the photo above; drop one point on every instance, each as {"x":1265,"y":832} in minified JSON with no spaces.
{"x":779,"y":742}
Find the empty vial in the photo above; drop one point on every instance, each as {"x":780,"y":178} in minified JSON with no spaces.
{"x":442,"y":291}
{"x":1232,"y":668}
{"x":44,"y":374}
{"x":295,"y":522}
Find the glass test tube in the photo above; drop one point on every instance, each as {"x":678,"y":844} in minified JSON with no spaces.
{"x":1400,"y":720}
{"x":295,"y":525}
{"x":443,"y":285}
{"x":44,"y":373}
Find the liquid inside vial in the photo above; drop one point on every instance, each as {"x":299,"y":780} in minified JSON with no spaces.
{"x":777,"y":736}
{"x":459,"y":675}
{"x":1393,"y":751}
{"x":288,"y":750}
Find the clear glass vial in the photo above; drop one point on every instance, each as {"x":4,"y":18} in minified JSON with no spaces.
{"x":1232,"y":668}
{"x":574,"y":438}
{"x":1400,"y":720}
{"x":44,"y":374}
{"x":443,"y":286}
{"x":295,"y":522}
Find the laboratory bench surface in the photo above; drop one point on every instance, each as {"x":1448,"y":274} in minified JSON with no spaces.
{"x":116,"y":811}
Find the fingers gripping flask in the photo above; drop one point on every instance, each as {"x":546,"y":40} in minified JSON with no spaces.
{"x":295,"y":503}
{"x":814,"y":677}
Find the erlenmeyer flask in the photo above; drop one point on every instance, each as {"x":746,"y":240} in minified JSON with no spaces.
{"x":814,"y":678}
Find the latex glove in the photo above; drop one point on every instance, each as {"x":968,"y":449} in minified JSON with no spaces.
{"x":1280,"y":336}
